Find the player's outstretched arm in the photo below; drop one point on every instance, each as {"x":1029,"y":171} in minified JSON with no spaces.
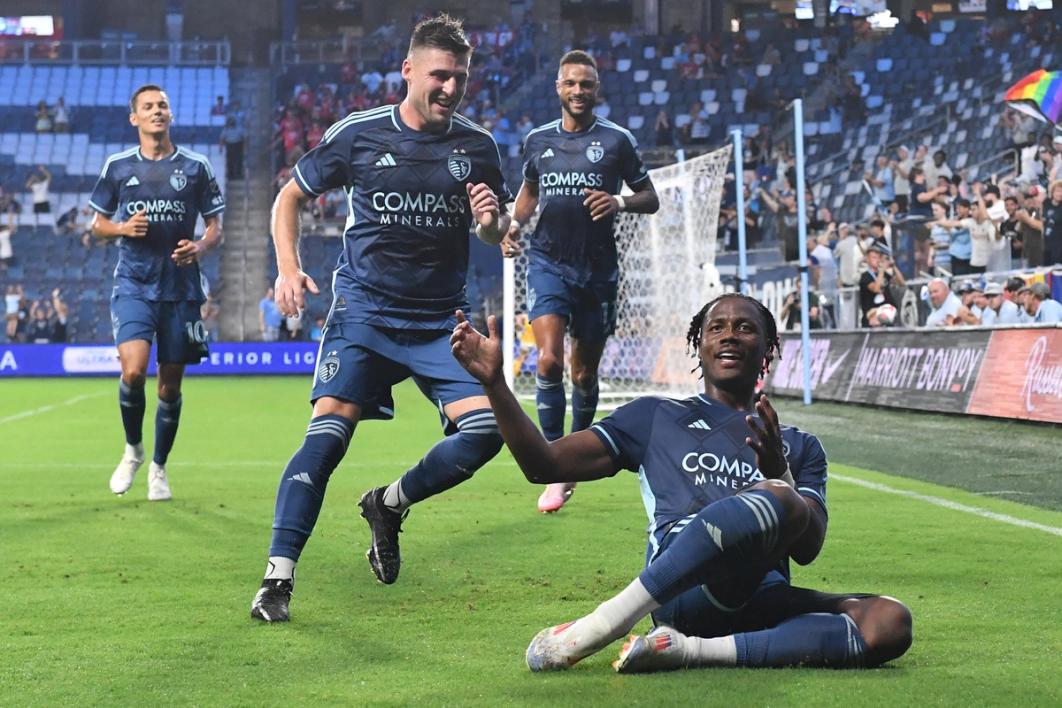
{"x":291,"y":280}
{"x":579,"y":457}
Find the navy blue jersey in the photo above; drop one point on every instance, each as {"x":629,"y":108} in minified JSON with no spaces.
{"x":405,"y":252}
{"x":602,"y":157}
{"x":689,"y":453}
{"x":173,"y":192}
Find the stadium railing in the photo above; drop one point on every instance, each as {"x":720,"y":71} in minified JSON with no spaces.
{"x":115,"y":52}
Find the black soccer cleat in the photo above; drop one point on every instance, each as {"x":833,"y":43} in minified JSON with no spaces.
{"x":385,"y":525}
{"x":271,"y":602}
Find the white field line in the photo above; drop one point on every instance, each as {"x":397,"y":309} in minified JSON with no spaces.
{"x":947,"y":504}
{"x":50,"y":407}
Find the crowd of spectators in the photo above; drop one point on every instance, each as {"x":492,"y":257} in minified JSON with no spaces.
{"x":34,"y":321}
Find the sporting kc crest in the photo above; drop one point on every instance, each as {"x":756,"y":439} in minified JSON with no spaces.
{"x":595,"y":152}
{"x":329,"y":367}
{"x":460,"y":166}
{"x":178,"y":181}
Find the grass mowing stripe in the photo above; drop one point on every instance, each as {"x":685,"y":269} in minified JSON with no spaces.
{"x":49,"y":407}
{"x":947,"y":504}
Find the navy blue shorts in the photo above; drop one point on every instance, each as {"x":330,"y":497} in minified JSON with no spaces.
{"x":748,"y":599}
{"x":360,"y":363}
{"x":590,"y":309}
{"x":176,"y":327}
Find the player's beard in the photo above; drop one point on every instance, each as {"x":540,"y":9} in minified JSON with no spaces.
{"x":582,"y":113}
{"x":432,"y":115}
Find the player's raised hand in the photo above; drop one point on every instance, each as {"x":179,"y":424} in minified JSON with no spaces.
{"x":187,"y":252}
{"x":601,"y":204}
{"x":766,"y":440}
{"x":510,"y":244}
{"x":484,"y":203}
{"x":480,"y":356}
{"x":288,"y":292}
{"x":136,"y":226}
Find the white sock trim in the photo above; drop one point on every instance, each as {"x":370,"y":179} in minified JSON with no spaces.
{"x":280,"y":568}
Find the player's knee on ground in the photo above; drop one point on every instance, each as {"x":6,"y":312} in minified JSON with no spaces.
{"x":549,"y":366}
{"x":886,"y":626}
{"x":796,"y":509}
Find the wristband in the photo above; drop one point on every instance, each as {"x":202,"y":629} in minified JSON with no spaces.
{"x":621,"y":204}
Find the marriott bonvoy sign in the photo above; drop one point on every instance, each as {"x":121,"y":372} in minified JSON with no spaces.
{"x":1008,"y":373}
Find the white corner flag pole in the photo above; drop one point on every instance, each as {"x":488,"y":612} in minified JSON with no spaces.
{"x":739,"y":189}
{"x":802,"y":244}
{"x":508,"y":319}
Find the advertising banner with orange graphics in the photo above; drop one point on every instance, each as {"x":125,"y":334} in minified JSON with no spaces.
{"x":1005,"y":373}
{"x":1021,"y":376}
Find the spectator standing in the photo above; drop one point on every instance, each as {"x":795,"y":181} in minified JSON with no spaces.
{"x":40,"y":326}
{"x":901,"y":168}
{"x":12,"y":300}
{"x":1039,"y":306}
{"x":662,"y":129}
{"x":7,"y":230}
{"x":1032,"y":228}
{"x":875,"y":285}
{"x":881,"y":179}
{"x":983,"y":236}
{"x":824,"y":272}
{"x":61,"y":116}
{"x":1051,"y":224}
{"x":38,"y":184}
{"x":269,"y":317}
{"x":940,"y":241}
{"x":43,"y":118}
{"x":60,"y":313}
{"x":218,"y":109}
{"x":232,"y":139}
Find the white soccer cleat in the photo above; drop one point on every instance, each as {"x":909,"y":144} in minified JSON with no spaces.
{"x":125,"y":472}
{"x":555,"y":496}
{"x":158,"y":485}
{"x":660,"y":650}
{"x":550,"y":650}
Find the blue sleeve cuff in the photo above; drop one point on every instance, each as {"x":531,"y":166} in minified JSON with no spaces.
{"x":297,"y":174}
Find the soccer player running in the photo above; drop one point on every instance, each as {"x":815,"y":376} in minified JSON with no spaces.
{"x":574,"y":168}
{"x":416,"y":175}
{"x":149,"y":198}
{"x":731,"y":497}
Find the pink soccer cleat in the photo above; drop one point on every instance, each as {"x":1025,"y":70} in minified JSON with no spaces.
{"x":555,"y":496}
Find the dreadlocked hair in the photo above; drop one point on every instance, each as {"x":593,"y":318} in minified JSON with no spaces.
{"x":693,"y":336}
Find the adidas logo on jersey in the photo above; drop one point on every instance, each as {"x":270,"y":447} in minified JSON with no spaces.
{"x":548,"y":152}
{"x":699,"y":425}
{"x":386,"y":161}
{"x":133,"y":181}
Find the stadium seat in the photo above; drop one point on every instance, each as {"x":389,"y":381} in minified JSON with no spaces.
{"x":641,"y":75}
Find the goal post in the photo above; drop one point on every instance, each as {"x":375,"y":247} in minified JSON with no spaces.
{"x":667,"y":273}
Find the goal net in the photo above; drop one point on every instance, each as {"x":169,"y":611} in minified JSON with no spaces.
{"x":667,"y":273}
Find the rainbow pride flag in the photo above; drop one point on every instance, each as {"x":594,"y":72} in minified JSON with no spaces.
{"x":1039,"y":94}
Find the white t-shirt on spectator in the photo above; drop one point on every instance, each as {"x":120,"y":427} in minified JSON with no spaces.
{"x":827,"y":269}
{"x":849,"y":255}
{"x":5,"y":252}
{"x":394,"y":79}
{"x":40,"y":191}
{"x":950,"y":306}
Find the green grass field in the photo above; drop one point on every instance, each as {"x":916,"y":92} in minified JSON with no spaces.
{"x":118,"y":601}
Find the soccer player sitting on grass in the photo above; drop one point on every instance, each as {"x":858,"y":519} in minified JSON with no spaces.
{"x":731,"y":497}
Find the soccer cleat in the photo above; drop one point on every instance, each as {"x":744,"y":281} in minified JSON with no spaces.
{"x":158,"y":485}
{"x":125,"y":472}
{"x":550,"y":650}
{"x":385,"y":525}
{"x":660,"y":650}
{"x":555,"y":496}
{"x":271,"y":601}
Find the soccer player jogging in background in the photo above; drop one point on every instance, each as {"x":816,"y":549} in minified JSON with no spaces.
{"x":731,"y":497}
{"x":416,"y":176}
{"x":149,"y":198}
{"x":574,"y":168}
